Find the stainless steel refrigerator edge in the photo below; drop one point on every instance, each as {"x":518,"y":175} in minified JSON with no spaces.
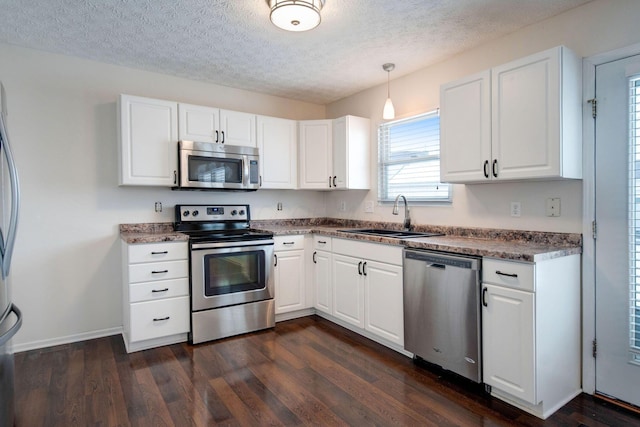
{"x":10,"y":316}
{"x":442,"y":310}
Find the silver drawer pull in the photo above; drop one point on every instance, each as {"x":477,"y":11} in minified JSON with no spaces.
{"x":161,"y":319}
{"x":160,"y":272}
{"x":159,"y":290}
{"x":288,"y":243}
{"x":506,"y":274}
{"x":160,"y":253}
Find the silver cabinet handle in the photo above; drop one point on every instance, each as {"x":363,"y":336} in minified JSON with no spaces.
{"x":314,"y":257}
{"x":159,"y":290}
{"x":160,"y":253}
{"x":159,"y":271}
{"x":160,"y":319}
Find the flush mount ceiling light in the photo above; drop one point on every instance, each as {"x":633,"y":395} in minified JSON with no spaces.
{"x":388,"y":112}
{"x":296,"y":15}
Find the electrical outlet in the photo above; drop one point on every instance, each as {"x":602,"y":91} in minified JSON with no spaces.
{"x":553,"y":206}
{"x":158,"y":207}
{"x":279,"y":206}
{"x":368,"y":206}
{"x":516,"y":209}
{"x":342,"y":206}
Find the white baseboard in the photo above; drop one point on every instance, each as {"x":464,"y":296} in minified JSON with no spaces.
{"x":34,"y":345}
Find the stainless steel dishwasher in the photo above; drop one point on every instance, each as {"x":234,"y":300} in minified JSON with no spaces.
{"x":442,"y":310}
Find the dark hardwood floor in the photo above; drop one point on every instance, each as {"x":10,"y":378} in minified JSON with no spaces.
{"x":305,"y":371}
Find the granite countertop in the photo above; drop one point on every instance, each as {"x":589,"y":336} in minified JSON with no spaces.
{"x":505,"y":244}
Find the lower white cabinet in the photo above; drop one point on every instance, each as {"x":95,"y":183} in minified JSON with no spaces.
{"x":531,"y":332}
{"x":289,"y":273}
{"x":322,"y":278}
{"x":367,"y":287}
{"x":155,"y":295}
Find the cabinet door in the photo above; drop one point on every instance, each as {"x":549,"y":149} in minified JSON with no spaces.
{"x":238,"y":128}
{"x":383,"y":301}
{"x":289,"y":281}
{"x":322,"y":281}
{"x":348,"y":290}
{"x":315,"y":154}
{"x":526,"y":116}
{"x":278,"y":143}
{"x":351,"y":148}
{"x":198,"y":123}
{"x":465,"y":129}
{"x":508,"y":340}
{"x":148,"y":141}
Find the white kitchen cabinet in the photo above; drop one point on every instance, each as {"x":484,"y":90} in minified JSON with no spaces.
{"x":351,"y":153}
{"x":207,"y":124}
{"x":367,"y":287}
{"x":334,"y":154}
{"x":315,"y":142}
{"x":156,"y":306}
{"x":528,"y":128}
{"x":148,"y":146}
{"x":278,"y":144}
{"x":531,"y":332}
{"x":289,"y":274}
{"x":322,"y":278}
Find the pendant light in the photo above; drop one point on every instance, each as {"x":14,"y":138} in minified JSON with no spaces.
{"x":296,"y":15}
{"x":388,"y":112}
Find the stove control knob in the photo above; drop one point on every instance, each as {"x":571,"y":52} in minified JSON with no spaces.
{"x":185,"y":213}
{"x":242,"y":212}
{"x":195,"y":213}
{"x":234,"y":212}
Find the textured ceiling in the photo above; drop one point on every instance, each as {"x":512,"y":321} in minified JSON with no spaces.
{"x":233,"y":43}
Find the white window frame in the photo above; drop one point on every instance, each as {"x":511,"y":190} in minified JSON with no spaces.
{"x":443,"y":192}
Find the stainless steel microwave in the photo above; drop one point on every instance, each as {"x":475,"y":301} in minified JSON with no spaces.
{"x":207,"y":166}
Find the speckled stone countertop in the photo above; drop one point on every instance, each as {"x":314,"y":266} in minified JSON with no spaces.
{"x":529,"y":246}
{"x":151,"y":233}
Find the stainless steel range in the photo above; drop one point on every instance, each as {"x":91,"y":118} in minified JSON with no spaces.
{"x":231,"y":278}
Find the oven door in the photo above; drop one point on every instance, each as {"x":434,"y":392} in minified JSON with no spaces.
{"x":236,"y":273}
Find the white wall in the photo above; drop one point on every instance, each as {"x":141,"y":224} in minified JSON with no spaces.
{"x":593,"y":28}
{"x":66,"y":273}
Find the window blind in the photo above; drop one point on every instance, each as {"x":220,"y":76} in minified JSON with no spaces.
{"x":409,"y":160}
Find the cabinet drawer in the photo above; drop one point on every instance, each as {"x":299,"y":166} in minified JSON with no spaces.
{"x":156,"y":252}
{"x":153,"y":271}
{"x":158,"y":290}
{"x":154,"y":319}
{"x":285,"y":243}
{"x":389,"y":254}
{"x":322,"y":242}
{"x":511,"y":274}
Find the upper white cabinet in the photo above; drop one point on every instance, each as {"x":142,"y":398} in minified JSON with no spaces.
{"x":278,"y":144}
{"x":351,"y":148}
{"x":148,"y":131}
{"x":335,"y":154}
{"x":520,"y":120}
{"x":315,"y":154}
{"x":206,"y":124}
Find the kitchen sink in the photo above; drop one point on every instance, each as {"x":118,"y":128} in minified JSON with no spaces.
{"x":395,"y":234}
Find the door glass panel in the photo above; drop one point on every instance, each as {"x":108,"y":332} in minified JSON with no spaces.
{"x":208,"y":169}
{"x":634,"y":218}
{"x":234,"y":272}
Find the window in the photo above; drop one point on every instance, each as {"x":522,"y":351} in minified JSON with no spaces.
{"x":634,"y":219}
{"x":409,"y":160}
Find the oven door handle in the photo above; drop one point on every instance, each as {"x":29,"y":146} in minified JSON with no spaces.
{"x":220,"y":245}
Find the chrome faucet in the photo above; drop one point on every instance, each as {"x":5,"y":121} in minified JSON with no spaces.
{"x":407,"y":217}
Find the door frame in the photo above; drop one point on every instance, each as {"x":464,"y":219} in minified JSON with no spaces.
{"x":588,"y":209}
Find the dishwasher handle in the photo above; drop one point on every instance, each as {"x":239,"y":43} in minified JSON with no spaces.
{"x":434,"y":265}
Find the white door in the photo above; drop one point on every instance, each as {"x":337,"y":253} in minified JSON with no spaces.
{"x":348,"y":289}
{"x":198,"y":123}
{"x":383,"y":300}
{"x":278,"y":143}
{"x":617,"y":253}
{"x":289,"y":281}
{"x":315,"y":154}
{"x":238,"y":128}
{"x":322,"y":281}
